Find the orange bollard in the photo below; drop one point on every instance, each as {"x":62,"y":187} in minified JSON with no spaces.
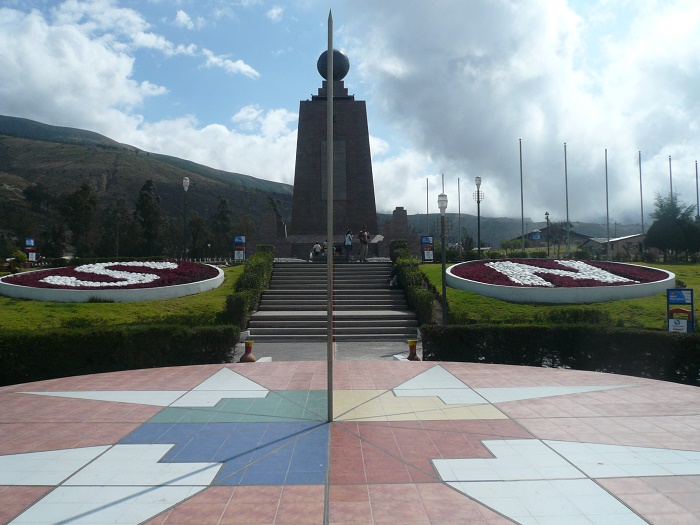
{"x":248,"y":356}
{"x":412,"y":350}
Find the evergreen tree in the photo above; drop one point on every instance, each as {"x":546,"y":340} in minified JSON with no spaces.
{"x":149,"y":218}
{"x":673,"y":230}
{"x":80,"y":211}
{"x":221,"y":229}
{"x":198,"y":236}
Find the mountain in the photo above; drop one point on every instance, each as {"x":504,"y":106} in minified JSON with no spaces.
{"x":61,"y":159}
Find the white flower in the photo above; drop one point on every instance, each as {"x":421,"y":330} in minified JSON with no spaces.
{"x":526,"y":274}
{"x":126,"y":278}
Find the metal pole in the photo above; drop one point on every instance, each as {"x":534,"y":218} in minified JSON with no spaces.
{"x":522,"y":208}
{"x":184,"y":254}
{"x":566,"y":186}
{"x":427,"y":208}
{"x":478,"y":224}
{"x":546,"y":215}
{"x":607,"y":210}
{"x":670,"y":176}
{"x":697,"y":194}
{"x":459,"y":218}
{"x":444,"y":256}
{"x":641,"y":202}
{"x":330,"y":350}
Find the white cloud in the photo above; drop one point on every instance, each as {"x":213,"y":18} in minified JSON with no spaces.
{"x":182,"y":19}
{"x":275,"y":13}
{"x":237,"y":67}
{"x":465,"y":80}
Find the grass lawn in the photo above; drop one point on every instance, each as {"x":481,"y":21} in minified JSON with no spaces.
{"x":649,"y":312}
{"x":198,"y":309}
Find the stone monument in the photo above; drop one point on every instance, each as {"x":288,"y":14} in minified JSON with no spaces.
{"x":353,"y":184}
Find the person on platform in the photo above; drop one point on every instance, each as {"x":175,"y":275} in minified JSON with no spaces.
{"x":317,"y":250}
{"x":348,"y":244}
{"x":364,"y":244}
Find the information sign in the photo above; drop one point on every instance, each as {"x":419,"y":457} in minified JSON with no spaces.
{"x":426,"y":248}
{"x":680,"y":308}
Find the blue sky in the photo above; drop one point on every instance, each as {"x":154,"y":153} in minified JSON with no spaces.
{"x":451,"y":86}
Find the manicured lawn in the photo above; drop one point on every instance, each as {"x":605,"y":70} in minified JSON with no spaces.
{"x":199,"y":309}
{"x":650,"y":312}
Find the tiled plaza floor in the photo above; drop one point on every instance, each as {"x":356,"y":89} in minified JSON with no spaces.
{"x":412,"y":443}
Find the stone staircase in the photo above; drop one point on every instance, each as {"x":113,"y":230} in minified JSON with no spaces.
{"x":366,"y":308}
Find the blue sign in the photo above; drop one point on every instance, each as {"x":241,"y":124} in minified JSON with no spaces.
{"x":28,"y":242}
{"x":239,"y":239}
{"x":426,"y":248}
{"x":680,"y":309}
{"x":680,"y":296}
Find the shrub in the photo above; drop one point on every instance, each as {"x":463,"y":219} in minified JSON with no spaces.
{"x":420,"y":296}
{"x":641,"y":353}
{"x":249,"y":288}
{"x":397,"y":249}
{"x":47,"y":354}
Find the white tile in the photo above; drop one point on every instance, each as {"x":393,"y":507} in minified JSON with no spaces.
{"x":45,"y":468}
{"x":543,"y":502}
{"x":503,"y":395}
{"x":608,"y":461}
{"x":159,"y":398}
{"x":138,"y":465}
{"x":227,"y":379}
{"x":212,"y":398}
{"x":435,"y":377}
{"x":103,"y":506}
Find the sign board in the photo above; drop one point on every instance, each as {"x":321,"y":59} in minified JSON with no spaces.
{"x":426,"y":248}
{"x":32,"y":256}
{"x":28,"y":242}
{"x":239,"y":248}
{"x":680,"y":310}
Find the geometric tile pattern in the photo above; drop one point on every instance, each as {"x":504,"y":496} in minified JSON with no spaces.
{"x":410,"y":443}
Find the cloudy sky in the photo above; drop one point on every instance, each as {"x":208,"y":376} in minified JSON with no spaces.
{"x":451,"y":86}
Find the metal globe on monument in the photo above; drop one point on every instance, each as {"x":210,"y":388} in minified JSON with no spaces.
{"x":341,"y":65}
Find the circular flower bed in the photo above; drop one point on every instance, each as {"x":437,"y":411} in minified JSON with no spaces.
{"x":117,"y":281}
{"x":558,"y":281}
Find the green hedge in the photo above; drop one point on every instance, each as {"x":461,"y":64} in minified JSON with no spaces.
{"x":249,"y":287}
{"x":640,"y":353}
{"x":398,"y":248}
{"x":420,"y":297}
{"x":49,"y":354}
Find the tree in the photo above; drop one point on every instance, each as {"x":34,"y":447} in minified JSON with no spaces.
{"x":38,"y":195}
{"x":80,"y":210}
{"x":674,"y":229}
{"x":149,"y":217}
{"x":53,"y":239}
{"x":220,"y":227}
{"x":198,"y":236}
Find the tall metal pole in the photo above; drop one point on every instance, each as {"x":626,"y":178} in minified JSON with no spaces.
{"x":459,"y":218}
{"x":670,"y":176}
{"x":522,"y":208}
{"x":607,"y":209}
{"x":330,"y":172}
{"x":641,"y":203}
{"x":427,"y":208}
{"x":566,"y":187}
{"x":477,"y":197}
{"x":697,"y":194}
{"x":443,"y":238}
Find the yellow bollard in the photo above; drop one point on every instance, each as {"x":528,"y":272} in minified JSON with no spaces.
{"x":412,"y":350}
{"x":248,"y":356}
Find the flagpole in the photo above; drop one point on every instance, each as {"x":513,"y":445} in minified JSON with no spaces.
{"x":607,"y":209}
{"x":566,"y":187}
{"x":330,"y":350}
{"x":641,"y":202}
{"x":522,"y":208}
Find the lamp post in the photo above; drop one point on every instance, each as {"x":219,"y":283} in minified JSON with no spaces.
{"x":185,"y":185}
{"x":478,"y":197}
{"x":546,"y":217}
{"x":442,"y":204}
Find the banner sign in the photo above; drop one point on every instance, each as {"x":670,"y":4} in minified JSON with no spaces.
{"x":680,"y":308}
{"x":426,"y":248}
{"x":239,"y":248}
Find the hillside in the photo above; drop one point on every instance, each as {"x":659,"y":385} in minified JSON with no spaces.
{"x":61,"y":159}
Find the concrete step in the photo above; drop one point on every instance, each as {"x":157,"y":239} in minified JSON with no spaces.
{"x":338,"y":337}
{"x":339,"y":307}
{"x":353,"y":323}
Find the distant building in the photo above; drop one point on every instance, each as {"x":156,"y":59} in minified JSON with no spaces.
{"x":627,"y":245}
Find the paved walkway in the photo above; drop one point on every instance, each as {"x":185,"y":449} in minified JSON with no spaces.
{"x":411,"y":443}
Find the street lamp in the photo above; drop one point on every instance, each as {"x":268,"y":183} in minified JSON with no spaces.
{"x":185,"y":185}
{"x":442,"y":204}
{"x":546,"y":216}
{"x":478,"y":197}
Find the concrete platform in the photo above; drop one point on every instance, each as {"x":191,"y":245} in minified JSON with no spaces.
{"x":411,"y":443}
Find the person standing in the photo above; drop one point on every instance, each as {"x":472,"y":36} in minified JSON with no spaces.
{"x":348,"y":244}
{"x":364,"y":243}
